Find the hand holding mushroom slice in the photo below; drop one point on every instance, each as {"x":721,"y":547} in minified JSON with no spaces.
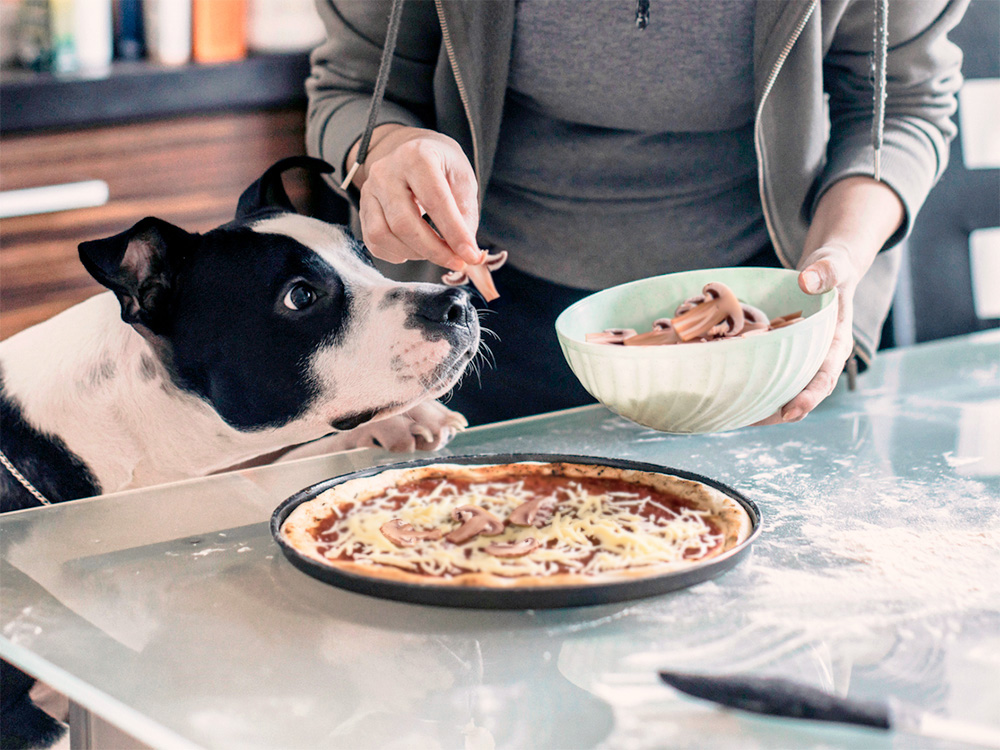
{"x":479,"y":274}
{"x":402,"y":534}
{"x":512,"y":549}
{"x":475,"y":521}
{"x":720,"y":308}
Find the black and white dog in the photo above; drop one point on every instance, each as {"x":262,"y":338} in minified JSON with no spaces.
{"x":270,"y":331}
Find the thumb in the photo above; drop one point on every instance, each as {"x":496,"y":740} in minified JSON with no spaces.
{"x":827,"y":272}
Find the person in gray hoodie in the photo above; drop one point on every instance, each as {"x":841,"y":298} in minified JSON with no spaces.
{"x":604,"y":141}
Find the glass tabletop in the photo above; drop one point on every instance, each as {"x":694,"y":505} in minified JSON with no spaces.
{"x":171,"y":613}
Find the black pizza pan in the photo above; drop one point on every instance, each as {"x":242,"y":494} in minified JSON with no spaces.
{"x":483,"y":597}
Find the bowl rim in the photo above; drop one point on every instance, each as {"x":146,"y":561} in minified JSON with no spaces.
{"x":827,"y":301}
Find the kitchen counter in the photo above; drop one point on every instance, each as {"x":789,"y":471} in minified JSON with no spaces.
{"x":171,"y":613}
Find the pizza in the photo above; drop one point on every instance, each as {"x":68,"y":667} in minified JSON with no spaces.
{"x":519,"y":524}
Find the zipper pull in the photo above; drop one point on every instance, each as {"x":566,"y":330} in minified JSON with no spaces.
{"x":641,"y":14}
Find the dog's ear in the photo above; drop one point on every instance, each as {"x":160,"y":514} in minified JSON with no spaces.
{"x":268,"y":193}
{"x":139,"y":266}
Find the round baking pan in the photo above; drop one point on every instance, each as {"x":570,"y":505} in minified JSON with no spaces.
{"x":548,"y":597}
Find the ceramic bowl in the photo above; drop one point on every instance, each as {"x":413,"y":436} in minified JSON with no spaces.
{"x":700,"y":387}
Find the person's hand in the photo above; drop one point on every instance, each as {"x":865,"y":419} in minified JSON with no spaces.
{"x":853,"y":219}
{"x":410,"y":172}
{"x":829,"y":267}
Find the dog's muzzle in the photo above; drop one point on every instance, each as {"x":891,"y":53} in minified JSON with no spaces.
{"x":448,"y":308}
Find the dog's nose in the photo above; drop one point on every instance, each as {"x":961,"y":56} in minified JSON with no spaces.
{"x":448,"y":307}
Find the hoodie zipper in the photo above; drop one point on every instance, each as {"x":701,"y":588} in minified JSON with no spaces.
{"x":758,"y":146}
{"x":462,"y":92}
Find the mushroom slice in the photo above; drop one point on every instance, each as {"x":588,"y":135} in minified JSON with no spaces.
{"x":720,"y":305}
{"x":653,"y":338}
{"x":520,"y":548}
{"x":479,"y":274}
{"x":610,"y":336}
{"x":475,"y":521}
{"x":402,"y":534}
{"x":663,"y":333}
{"x":528,"y":512}
{"x":754,"y":319}
{"x":688,"y":304}
{"x":786,"y":320}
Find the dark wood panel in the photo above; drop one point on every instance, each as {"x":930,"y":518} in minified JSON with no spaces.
{"x":189,"y":171}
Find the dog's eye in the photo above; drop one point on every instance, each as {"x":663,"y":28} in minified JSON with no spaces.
{"x":299,"y":297}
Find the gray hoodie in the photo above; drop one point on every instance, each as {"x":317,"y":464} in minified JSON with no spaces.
{"x":813,"y":98}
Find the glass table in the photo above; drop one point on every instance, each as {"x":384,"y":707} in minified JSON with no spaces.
{"x":171,"y":614}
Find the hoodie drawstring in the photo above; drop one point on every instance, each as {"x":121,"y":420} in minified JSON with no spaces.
{"x":395,"y":14}
{"x":881,"y":53}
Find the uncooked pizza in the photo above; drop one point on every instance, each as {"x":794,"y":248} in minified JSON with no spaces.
{"x":513,"y":525}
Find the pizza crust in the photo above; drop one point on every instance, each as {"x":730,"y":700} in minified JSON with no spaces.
{"x":729,"y":516}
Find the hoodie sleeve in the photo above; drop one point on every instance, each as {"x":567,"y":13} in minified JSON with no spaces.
{"x":345,"y":66}
{"x":923,"y":77}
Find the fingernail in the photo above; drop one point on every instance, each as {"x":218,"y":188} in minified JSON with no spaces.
{"x":811,"y":281}
{"x":791,"y":415}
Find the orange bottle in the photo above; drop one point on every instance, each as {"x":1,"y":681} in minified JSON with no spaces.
{"x":219,"y":30}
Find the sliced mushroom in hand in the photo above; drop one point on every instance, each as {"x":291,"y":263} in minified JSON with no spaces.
{"x":479,"y":274}
{"x":402,"y":534}
{"x":475,"y":521}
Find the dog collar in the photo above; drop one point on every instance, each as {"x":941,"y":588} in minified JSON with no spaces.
{"x":22,"y":480}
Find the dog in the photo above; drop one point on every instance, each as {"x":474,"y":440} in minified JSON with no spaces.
{"x":209,"y":350}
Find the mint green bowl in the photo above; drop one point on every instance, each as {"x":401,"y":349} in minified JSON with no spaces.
{"x":707,"y":387}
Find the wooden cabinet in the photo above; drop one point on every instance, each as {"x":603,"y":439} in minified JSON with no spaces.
{"x":180,"y":143}
{"x":187,"y":170}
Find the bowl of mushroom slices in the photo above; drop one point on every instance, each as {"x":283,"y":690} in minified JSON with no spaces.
{"x":699,"y":351}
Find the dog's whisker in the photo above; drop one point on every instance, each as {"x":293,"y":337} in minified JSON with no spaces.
{"x":490,"y":332}
{"x":487,"y":355}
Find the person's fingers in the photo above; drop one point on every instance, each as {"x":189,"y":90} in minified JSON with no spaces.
{"x":404,"y":223}
{"x":825,"y":379}
{"x":817,"y":389}
{"x":436,"y":195}
{"x":465,"y":188}
{"x":403,"y":189}
{"x":774,"y":418}
{"x":378,"y":237}
{"x":408,"y":225}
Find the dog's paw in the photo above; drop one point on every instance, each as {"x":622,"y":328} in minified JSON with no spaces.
{"x":426,"y":427}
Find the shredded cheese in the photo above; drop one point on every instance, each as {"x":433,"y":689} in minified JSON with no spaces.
{"x":587,"y":532}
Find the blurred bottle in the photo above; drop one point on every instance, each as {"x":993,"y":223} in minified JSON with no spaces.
{"x":93,"y":36}
{"x":284,"y":26}
{"x":8,"y":31}
{"x":34,"y":36}
{"x":220,"y":30}
{"x":61,"y":22}
{"x":168,"y":30}
{"x":130,"y":37}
